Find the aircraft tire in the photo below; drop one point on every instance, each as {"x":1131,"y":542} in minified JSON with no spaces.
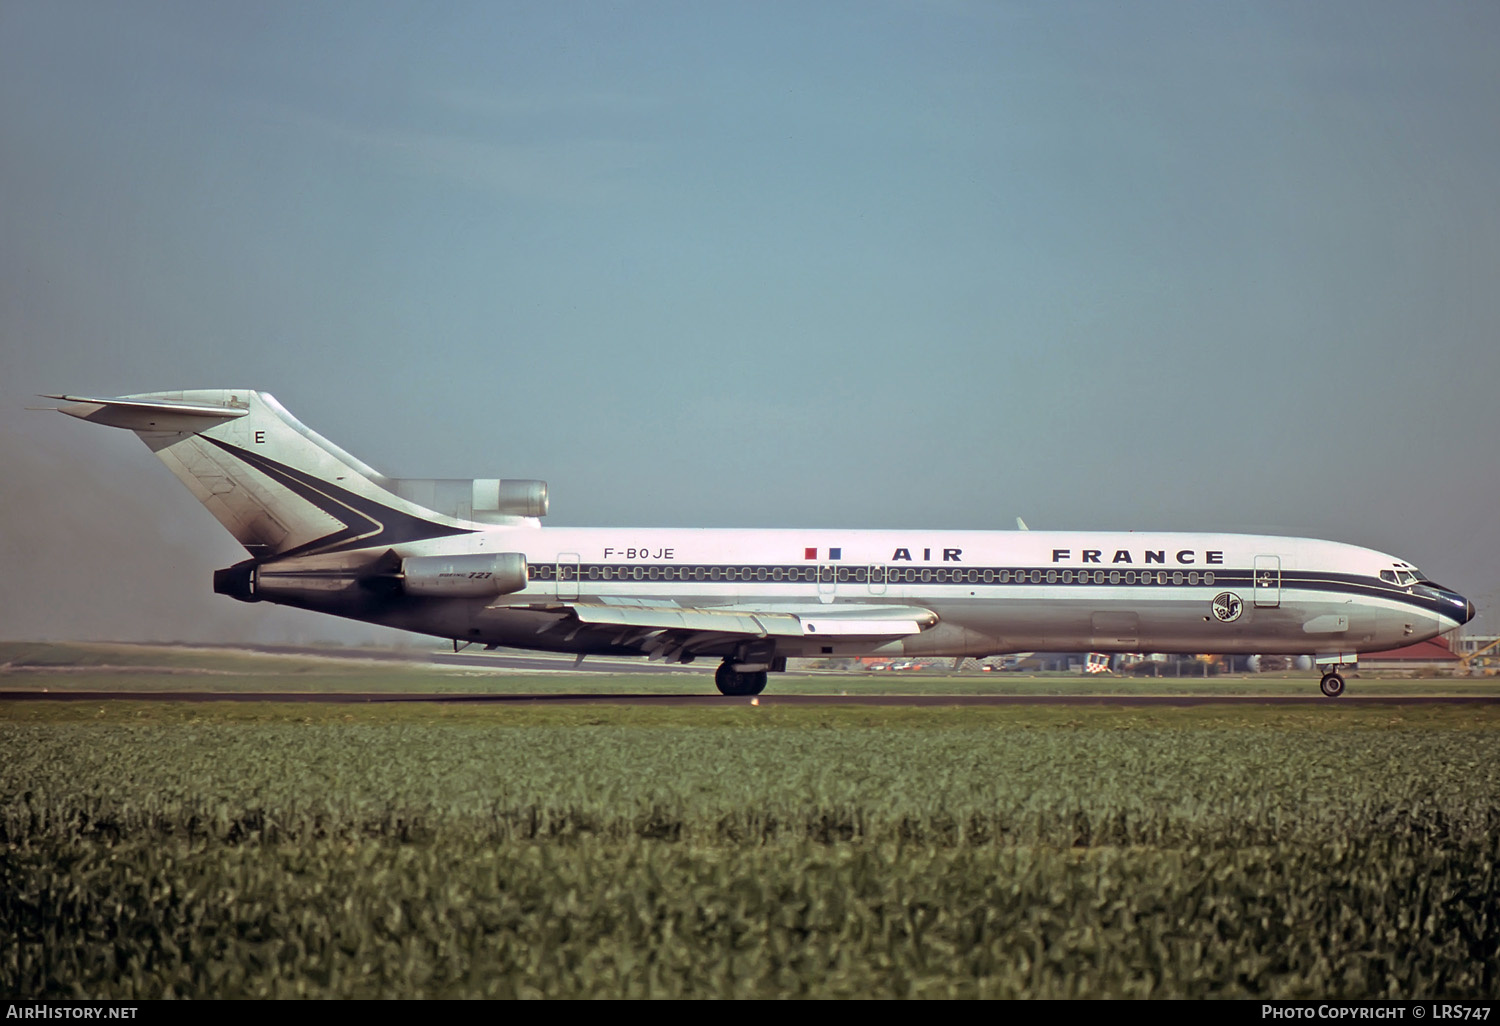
{"x":731,"y":682}
{"x":1332,"y":685}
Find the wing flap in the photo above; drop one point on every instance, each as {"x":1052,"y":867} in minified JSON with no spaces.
{"x":757,"y":625}
{"x":847,"y":623}
{"x":825,"y":627}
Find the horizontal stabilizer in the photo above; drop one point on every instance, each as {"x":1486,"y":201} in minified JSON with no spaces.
{"x":136,"y":415}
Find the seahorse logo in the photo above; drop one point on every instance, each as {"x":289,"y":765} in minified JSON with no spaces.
{"x":1227,"y":607}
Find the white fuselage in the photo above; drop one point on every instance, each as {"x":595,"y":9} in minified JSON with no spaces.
{"x":991,"y":591}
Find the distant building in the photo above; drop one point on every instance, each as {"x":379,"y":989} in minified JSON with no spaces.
{"x":1481,"y":653}
{"x":1471,"y":643}
{"x":1433,"y":654}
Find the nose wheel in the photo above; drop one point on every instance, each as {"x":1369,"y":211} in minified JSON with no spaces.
{"x":1332,"y":685}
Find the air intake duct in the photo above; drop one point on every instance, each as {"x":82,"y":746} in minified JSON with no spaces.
{"x":473,"y":575}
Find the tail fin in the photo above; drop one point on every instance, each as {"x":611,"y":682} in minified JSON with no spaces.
{"x":280,"y":488}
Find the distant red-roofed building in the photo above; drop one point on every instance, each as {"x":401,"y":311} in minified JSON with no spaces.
{"x":1433,"y":653}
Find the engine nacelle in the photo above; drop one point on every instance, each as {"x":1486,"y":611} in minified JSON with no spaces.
{"x":480,"y":498}
{"x":520,"y":498}
{"x":473,"y":575}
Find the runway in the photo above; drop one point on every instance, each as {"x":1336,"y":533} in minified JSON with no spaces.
{"x":454,"y":698}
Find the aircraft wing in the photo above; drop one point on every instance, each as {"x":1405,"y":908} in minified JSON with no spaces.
{"x":672,"y":632}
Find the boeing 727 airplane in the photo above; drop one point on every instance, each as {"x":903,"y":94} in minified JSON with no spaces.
{"x":469,"y":560}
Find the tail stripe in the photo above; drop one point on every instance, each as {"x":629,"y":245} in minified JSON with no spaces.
{"x":366,"y":522}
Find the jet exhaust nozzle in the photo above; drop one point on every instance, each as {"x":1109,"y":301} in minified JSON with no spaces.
{"x":237,"y":581}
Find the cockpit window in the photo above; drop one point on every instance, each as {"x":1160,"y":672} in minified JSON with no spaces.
{"x":1401,"y":578}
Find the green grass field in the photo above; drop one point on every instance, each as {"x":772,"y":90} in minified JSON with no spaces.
{"x":154,"y":849}
{"x":117,"y":667}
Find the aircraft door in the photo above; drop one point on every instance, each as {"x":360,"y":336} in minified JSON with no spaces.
{"x":1267,"y":583}
{"x":567,"y":576}
{"x":876,"y":576}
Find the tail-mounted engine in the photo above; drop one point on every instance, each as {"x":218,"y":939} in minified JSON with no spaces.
{"x":475,"y":575}
{"x":469,"y":575}
{"x":484,"y":499}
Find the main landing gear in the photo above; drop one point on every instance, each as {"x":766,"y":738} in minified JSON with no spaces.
{"x":1333,"y":684}
{"x":738,"y":682}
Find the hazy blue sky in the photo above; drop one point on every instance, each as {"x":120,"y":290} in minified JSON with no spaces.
{"x":867,"y":264}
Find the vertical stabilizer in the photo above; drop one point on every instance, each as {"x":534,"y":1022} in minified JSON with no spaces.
{"x":280,"y":488}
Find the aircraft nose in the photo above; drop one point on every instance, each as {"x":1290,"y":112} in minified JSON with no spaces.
{"x":1451,"y":605}
{"x":1463,"y":610}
